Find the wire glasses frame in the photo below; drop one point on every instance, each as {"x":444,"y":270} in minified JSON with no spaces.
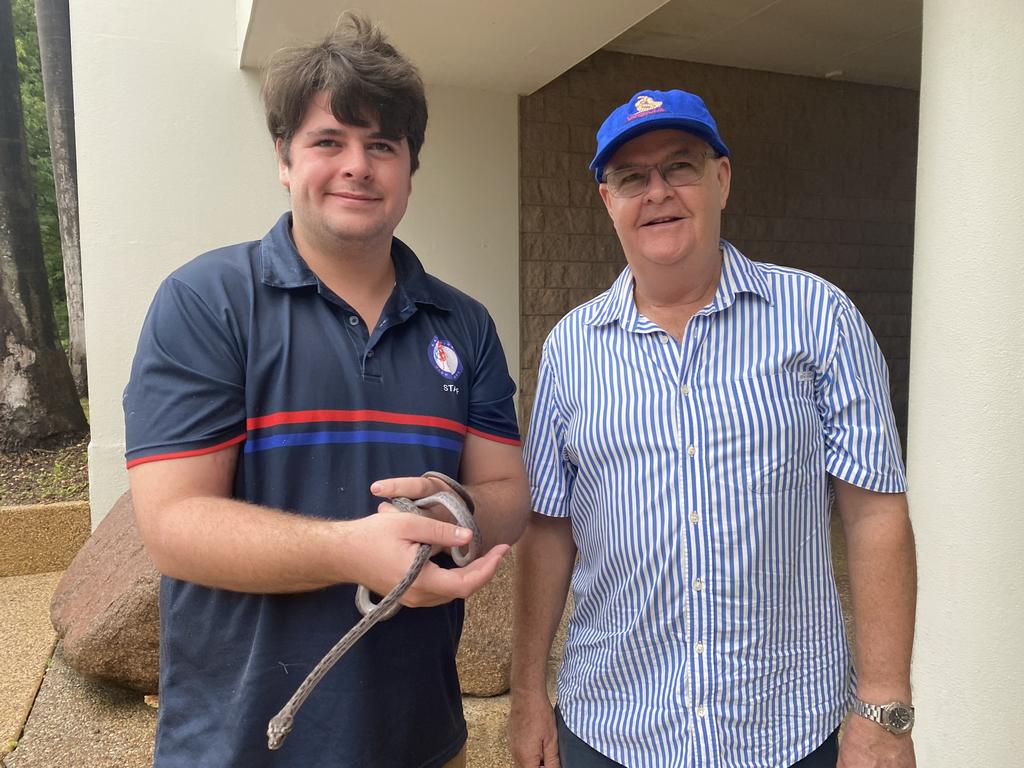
{"x":680,"y":171}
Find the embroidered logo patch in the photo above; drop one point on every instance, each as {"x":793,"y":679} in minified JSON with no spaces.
{"x":645,"y":106}
{"x":444,"y":358}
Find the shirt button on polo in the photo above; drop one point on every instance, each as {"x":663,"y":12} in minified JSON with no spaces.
{"x":694,"y":517}
{"x":698,"y":585}
{"x":353,"y":320}
{"x":691,"y":451}
{"x":686,"y":389}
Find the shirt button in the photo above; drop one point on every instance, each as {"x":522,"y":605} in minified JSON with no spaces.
{"x":700,"y":648}
{"x":663,"y":338}
{"x":694,"y":517}
{"x":370,"y":353}
{"x":353,"y":320}
{"x":698,"y":585}
{"x":691,"y":451}
{"x":686,"y":389}
{"x":701,"y":710}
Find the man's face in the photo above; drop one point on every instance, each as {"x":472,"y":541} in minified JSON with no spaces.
{"x":666,"y":225}
{"x":348,"y":184}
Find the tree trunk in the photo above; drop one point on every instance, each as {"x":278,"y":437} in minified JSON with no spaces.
{"x":37,"y":393}
{"x":53,"y":22}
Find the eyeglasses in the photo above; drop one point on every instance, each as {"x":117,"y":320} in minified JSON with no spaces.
{"x":680,"y":171}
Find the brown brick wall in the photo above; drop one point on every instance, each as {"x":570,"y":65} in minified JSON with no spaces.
{"x":823,"y":180}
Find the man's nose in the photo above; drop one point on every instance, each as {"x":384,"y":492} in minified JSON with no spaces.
{"x":355,"y":163}
{"x":658,"y":189}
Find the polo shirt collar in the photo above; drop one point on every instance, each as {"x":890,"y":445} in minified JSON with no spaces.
{"x":739,"y":275}
{"x":282,"y":267}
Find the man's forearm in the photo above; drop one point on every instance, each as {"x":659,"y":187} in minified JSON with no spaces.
{"x":230,"y":544}
{"x":502,"y":510}
{"x":883,"y":585}
{"x":544,"y":561}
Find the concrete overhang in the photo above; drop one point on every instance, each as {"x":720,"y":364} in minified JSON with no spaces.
{"x":510,"y":47}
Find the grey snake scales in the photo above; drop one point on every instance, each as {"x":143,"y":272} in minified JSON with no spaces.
{"x":460,"y":505}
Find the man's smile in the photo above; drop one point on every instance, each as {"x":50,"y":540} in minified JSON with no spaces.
{"x":354,"y":196}
{"x":659,"y":220}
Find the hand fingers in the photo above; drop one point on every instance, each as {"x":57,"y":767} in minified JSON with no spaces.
{"x":551,"y":753}
{"x":410,"y":487}
{"x":436,"y":585}
{"x":532,"y":750}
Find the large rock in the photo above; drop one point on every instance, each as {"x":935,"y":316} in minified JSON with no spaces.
{"x":485,"y":651}
{"x":105,"y":606}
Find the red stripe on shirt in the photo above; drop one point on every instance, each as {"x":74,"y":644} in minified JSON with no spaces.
{"x":185,"y":454}
{"x":495,"y":438}
{"x":298,"y":417}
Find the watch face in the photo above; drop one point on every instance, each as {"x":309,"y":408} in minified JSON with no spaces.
{"x":900,"y":718}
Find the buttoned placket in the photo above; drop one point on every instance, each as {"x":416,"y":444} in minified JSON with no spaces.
{"x":692,"y":477}
{"x":365,"y":343}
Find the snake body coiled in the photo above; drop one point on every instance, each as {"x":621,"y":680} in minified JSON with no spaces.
{"x":460,"y":505}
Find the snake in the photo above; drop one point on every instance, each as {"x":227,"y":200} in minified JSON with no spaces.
{"x":460,"y":505}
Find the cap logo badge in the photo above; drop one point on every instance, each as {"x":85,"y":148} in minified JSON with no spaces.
{"x":444,"y":359}
{"x":644,"y":106}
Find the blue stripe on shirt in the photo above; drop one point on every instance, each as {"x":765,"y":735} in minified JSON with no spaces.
{"x":707,"y":627}
{"x":294,"y":439}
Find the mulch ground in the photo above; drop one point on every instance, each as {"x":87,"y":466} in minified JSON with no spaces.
{"x":57,"y":470}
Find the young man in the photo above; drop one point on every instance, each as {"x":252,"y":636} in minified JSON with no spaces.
{"x":689,"y":427}
{"x":280,"y":390}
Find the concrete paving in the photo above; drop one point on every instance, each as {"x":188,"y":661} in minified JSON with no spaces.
{"x":76,"y":723}
{"x":26,"y":642}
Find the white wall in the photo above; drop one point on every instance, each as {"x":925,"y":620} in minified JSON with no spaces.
{"x":463,"y":217}
{"x":966,"y":426}
{"x":174,"y":159}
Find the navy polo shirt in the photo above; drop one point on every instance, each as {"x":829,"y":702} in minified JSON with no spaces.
{"x":245,"y":345}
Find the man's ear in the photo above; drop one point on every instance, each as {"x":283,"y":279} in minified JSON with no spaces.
{"x":724,"y":180}
{"x":282,"y":164}
{"x":606,"y":197}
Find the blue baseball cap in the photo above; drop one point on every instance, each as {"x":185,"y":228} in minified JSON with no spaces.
{"x":651,"y":111}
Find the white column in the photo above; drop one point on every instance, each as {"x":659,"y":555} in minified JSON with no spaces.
{"x":966,"y":430}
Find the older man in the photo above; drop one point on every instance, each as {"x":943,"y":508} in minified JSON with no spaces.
{"x":691,"y":427}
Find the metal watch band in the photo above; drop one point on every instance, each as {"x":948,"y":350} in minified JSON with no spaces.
{"x":872,"y":712}
{"x":882,"y":714}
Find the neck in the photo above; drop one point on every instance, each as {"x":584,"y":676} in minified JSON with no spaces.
{"x":359,"y":272}
{"x":669,"y":296}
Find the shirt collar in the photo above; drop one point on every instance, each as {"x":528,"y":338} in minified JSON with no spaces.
{"x":283,"y":267}
{"x":739,"y":275}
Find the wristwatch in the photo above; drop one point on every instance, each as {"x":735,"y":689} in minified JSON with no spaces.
{"x":896,"y":717}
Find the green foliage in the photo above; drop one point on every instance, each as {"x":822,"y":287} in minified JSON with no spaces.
{"x":33,"y":107}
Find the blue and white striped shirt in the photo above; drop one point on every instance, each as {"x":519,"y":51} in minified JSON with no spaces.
{"x":707,"y":628}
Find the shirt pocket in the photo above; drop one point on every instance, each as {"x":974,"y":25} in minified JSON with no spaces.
{"x":765,"y":432}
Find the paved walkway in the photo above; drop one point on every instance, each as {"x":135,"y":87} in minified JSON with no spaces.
{"x":26,"y":642}
{"x":67,"y":721}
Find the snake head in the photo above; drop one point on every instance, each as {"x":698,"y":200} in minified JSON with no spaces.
{"x":278,"y":730}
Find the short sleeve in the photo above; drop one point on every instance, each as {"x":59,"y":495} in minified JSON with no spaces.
{"x":550,"y":473}
{"x":862,"y":445}
{"x":492,"y":411}
{"x":186,"y":393}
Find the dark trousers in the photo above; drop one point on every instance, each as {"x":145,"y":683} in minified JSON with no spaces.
{"x":575,"y":753}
